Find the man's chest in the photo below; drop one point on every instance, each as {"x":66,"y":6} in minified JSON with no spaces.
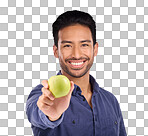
{"x":81,"y":119}
{"x":88,"y":98}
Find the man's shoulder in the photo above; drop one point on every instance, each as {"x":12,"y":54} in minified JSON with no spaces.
{"x":107,"y":95}
{"x":101,"y":91}
{"x":38,"y":87}
{"x":105,"y":92}
{"x":109,"y":101}
{"x":36,"y":90}
{"x":35,"y":93}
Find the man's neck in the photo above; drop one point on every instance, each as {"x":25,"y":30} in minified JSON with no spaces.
{"x":82,"y":82}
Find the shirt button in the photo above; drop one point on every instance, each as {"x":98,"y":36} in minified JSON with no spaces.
{"x":116,"y":122}
{"x":73,"y":122}
{"x":83,"y":99}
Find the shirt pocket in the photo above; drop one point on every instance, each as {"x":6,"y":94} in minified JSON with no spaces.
{"x":109,"y":126}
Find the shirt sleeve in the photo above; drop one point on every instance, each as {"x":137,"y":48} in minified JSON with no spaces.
{"x":35,"y":116}
{"x":122,"y":131}
{"x":122,"y":128}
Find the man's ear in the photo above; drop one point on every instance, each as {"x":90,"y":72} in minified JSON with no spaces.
{"x":96,"y":49}
{"x":55,"y":51}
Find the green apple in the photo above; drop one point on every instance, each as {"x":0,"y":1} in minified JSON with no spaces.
{"x":59,"y":85}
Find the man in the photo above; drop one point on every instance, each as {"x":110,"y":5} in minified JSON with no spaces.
{"x":87,"y":110}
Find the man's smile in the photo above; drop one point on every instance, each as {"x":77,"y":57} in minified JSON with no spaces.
{"x":76,"y":64}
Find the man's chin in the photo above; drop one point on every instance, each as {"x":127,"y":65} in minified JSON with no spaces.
{"x":76,"y":76}
{"x":76,"y":73}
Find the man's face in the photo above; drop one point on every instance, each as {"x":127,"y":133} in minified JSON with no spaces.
{"x":75,"y":50}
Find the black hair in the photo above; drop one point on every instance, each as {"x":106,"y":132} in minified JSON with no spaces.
{"x":73,"y":17}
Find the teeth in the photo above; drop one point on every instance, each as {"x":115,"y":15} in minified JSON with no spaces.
{"x":80,"y":63}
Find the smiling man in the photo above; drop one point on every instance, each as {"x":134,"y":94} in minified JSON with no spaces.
{"x":87,"y":110}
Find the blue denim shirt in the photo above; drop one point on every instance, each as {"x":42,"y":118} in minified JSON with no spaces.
{"x":104,"y":119}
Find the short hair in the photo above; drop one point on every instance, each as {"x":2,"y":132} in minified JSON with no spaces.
{"x":73,"y":17}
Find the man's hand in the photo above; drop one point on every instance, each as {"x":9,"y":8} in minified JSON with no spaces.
{"x":51,"y":106}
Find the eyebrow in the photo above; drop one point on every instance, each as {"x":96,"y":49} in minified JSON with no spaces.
{"x":85,"y":41}
{"x":72,"y":42}
{"x":66,"y":42}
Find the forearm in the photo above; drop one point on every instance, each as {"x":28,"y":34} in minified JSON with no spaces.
{"x":35,"y":116}
{"x":54,"y":119}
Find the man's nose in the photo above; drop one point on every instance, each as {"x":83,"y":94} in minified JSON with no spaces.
{"x":76,"y":52}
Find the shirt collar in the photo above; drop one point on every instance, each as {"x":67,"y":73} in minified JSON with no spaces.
{"x":94,"y":85}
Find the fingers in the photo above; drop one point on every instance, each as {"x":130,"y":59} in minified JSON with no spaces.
{"x":42,"y":106}
{"x":45,"y":83}
{"x":45,"y":100}
{"x":48,"y":93}
{"x":72,"y":87}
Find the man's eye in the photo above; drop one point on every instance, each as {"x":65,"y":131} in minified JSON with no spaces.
{"x":67,"y":45}
{"x":84,"y":45}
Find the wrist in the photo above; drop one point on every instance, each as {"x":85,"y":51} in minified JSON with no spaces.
{"x":54,"y":119}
